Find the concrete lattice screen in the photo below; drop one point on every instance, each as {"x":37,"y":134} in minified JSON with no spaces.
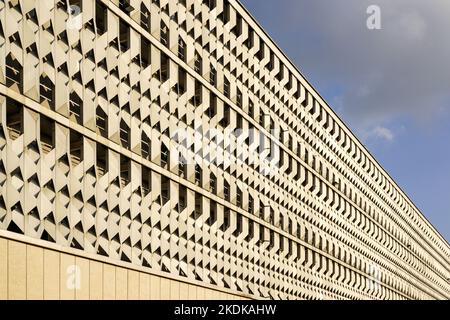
{"x":175,"y":137}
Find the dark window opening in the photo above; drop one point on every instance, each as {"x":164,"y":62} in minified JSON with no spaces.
{"x":239,"y":124}
{"x":280,"y":74}
{"x":125,"y":170}
{"x":125,"y":6}
{"x":261,"y":234}
{"x":102,"y":159}
{"x":146,"y":180}
{"x":251,"y":230}
{"x":76,"y":148}
{"x":306,"y":101}
{"x":164,"y":34}
{"x":237,"y":29}
{"x":164,"y":156}
{"x":165,"y":189}
{"x":32,"y":15}
{"x":261,"y":118}
{"x":212,"y":110}
{"x":250,"y":205}
{"x":124,"y":135}
{"x":47,"y":91}
{"x":238,"y":230}
{"x":47,"y":134}
{"x":198,"y":63}
{"x":198,"y":175}
{"x":226,"y":87}
{"x":226,"y":11}
{"x":182,"y":168}
{"x":145,"y":146}
{"x":198,"y":93}
{"x":198,"y":205}
{"x":225,"y":121}
{"x":181,"y":49}
{"x":272,"y":216}
{"x":260,"y":54}
{"x":76,"y":107}
{"x":182,"y":195}
{"x":289,"y":83}
{"x":251,"y":38}
{"x":146,"y":52}
{"x":14,"y":118}
{"x":251,"y":109}
{"x":271,"y":64}
{"x":145,"y":18}
{"x":182,"y":79}
{"x":272,"y":124}
{"x":272,"y":239}
{"x":226,"y":191}
{"x":239,"y":198}
{"x":239,"y":98}
{"x":212,"y":183}
{"x":165,"y":64}
{"x":124,"y":38}
{"x":101,"y":17}
{"x":226,"y":219}
{"x":212,"y":76}
{"x":101,"y":121}
{"x":13,"y":73}
{"x":212,"y":213}
{"x":210,"y":3}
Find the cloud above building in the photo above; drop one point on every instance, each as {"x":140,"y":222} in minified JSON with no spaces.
{"x":372,"y":78}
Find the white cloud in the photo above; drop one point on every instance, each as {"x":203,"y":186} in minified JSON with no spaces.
{"x":410,"y":26}
{"x":383,"y":133}
{"x":398,"y":72}
{"x":376,"y":133}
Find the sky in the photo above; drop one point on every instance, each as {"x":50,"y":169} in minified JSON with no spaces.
{"x":389,"y":82}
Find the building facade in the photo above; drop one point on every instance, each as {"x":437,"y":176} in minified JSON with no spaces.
{"x":173,"y":143}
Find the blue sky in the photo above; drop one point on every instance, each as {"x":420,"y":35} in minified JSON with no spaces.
{"x":391,"y":86}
